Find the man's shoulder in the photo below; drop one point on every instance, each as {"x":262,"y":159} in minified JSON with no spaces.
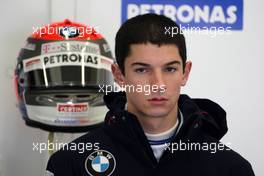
{"x":229,"y":158}
{"x":217,"y":154}
{"x":236,"y":161}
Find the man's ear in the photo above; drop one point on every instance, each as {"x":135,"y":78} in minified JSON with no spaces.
{"x":118,"y":75}
{"x":187,"y":70}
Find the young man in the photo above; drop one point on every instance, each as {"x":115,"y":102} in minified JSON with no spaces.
{"x":157,"y":132}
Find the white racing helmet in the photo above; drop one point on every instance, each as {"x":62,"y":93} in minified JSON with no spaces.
{"x":58,"y":76}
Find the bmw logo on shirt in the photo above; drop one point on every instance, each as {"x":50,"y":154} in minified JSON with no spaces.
{"x":100,"y":163}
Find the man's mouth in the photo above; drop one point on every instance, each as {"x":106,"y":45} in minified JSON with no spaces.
{"x":157,"y":100}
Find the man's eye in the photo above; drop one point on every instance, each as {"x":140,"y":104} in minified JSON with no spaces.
{"x":140,"y":70}
{"x":171,"y":69}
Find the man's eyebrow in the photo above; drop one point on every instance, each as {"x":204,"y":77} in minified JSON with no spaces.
{"x":147,"y":65}
{"x":173,"y":62}
{"x":140,"y":63}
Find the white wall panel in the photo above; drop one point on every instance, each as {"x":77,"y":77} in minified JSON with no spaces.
{"x":227,"y":69}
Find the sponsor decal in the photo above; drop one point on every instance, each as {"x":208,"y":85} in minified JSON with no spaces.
{"x":205,"y":13}
{"x":67,"y":59}
{"x":66,"y":112}
{"x":64,"y":108}
{"x":70,"y":46}
{"x":32,"y":64}
{"x":71,"y":121}
{"x":73,"y":53}
{"x":100,"y":163}
{"x":70,"y":58}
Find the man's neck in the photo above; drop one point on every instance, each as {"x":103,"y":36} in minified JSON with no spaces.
{"x":156,"y":125}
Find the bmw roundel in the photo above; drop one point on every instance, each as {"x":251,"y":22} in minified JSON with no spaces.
{"x":100,"y":163}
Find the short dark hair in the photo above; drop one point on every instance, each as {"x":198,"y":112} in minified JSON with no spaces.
{"x":147,"y":28}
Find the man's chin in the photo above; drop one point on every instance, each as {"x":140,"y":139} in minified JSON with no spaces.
{"x":157,"y":113}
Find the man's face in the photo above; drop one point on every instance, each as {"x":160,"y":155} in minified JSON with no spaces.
{"x":159,"y":72}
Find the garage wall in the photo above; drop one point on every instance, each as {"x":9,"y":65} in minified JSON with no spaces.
{"x":227,"y":69}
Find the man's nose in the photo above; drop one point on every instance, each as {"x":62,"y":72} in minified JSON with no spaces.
{"x":157,"y":78}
